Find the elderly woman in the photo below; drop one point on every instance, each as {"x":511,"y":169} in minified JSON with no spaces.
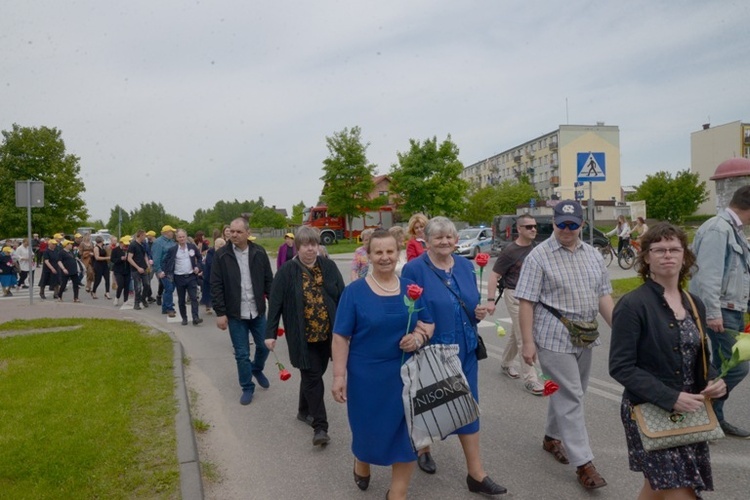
{"x":287,"y":251}
{"x":360,"y":262}
{"x":416,"y":245}
{"x":305,"y":292}
{"x":452,"y":297}
{"x":657,"y":353}
{"x":86,"y":251}
{"x":369,"y":345}
{"x":7,"y":271}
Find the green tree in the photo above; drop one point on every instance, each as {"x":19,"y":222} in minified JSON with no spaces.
{"x":483,"y":204}
{"x":671,"y":198}
{"x":29,"y":153}
{"x":427,"y":179}
{"x":347,"y":178}
{"x":267,"y":217}
{"x":296,"y":218}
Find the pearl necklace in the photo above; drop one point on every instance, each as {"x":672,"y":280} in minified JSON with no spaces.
{"x":389,"y":290}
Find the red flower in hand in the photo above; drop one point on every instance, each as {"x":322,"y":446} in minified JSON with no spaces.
{"x":482,"y":259}
{"x":280,"y":332}
{"x":550,"y":387}
{"x":414,"y":292}
{"x":284,"y":374}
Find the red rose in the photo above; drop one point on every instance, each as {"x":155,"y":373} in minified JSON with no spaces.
{"x":284,"y":375}
{"x":280,"y":332}
{"x":550,"y":388}
{"x":482,"y":259}
{"x":414,"y":291}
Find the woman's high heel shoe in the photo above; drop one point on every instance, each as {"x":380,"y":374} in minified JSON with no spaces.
{"x":93,"y":295}
{"x":106,"y":296}
{"x":362,"y":482}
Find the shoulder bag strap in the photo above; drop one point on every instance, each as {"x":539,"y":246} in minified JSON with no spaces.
{"x":699,"y":324}
{"x":460,"y":300}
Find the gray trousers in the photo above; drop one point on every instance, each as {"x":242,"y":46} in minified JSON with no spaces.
{"x":565,"y":414}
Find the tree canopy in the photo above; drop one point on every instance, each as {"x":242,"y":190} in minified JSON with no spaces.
{"x":671,"y":198}
{"x":38,"y":154}
{"x":347,"y":178}
{"x":427,"y":180}
{"x":483,"y":204}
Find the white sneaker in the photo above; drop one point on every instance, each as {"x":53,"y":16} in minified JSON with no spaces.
{"x":510,"y":371}
{"x":535,"y":388}
{"x":116,"y":302}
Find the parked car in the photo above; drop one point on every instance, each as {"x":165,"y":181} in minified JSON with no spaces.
{"x":504,"y":231}
{"x":474,"y":240}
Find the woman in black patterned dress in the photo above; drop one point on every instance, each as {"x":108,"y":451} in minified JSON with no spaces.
{"x":656,"y":353}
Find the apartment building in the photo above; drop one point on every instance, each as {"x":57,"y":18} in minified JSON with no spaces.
{"x":710,"y":147}
{"x":551,"y":162}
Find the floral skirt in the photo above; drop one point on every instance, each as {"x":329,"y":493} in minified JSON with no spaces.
{"x":681,"y":467}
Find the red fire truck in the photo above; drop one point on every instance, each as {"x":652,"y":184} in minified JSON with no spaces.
{"x":333,"y":229}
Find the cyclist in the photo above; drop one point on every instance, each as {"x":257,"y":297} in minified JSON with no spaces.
{"x":622,"y":230}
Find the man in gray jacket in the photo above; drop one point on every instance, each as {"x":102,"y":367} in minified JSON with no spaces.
{"x":723,"y":284}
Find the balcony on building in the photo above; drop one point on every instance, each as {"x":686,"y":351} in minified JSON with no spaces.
{"x":554,"y":180}
{"x":553,"y":145}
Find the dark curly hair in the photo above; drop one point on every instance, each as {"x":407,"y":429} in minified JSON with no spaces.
{"x":665,"y":231}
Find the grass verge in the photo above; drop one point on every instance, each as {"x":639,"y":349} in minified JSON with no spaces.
{"x":624,"y":285}
{"x":87,"y":413}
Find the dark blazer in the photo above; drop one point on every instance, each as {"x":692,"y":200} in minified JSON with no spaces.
{"x":286,"y":301}
{"x":168,"y":262}
{"x":226,"y":280}
{"x":644,"y":353}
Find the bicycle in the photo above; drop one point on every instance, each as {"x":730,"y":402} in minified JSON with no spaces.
{"x":625,"y":259}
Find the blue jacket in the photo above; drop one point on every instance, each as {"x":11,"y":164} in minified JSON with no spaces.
{"x":158,"y":249}
{"x":439,"y":302}
{"x":723,"y":277}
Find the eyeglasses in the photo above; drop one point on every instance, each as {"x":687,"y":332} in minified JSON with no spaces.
{"x":530,"y":227}
{"x":570,"y":225}
{"x":661,"y":252}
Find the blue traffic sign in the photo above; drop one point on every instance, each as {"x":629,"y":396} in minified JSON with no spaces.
{"x":591,"y":167}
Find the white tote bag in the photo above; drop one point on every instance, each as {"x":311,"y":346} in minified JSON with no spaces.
{"x":437,"y":398}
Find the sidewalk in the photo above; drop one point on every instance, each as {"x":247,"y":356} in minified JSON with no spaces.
{"x":18,"y":307}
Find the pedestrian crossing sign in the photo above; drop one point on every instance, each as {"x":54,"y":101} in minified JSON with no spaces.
{"x":591,"y":167}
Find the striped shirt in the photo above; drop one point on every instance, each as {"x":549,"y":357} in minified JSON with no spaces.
{"x":570,"y":281}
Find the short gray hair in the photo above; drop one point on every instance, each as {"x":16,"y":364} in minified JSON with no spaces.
{"x":305,"y":235}
{"x":438,"y":226}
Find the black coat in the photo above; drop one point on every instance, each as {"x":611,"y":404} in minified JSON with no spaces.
{"x":168,"y":262}
{"x":226,"y":281}
{"x":286,"y":301}
{"x":644,"y":353}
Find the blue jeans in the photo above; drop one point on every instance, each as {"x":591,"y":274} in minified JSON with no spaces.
{"x":167,"y":298}
{"x":723,"y":342}
{"x":239,"y":330}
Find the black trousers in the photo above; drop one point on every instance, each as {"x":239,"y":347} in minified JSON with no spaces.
{"x":101,"y":271}
{"x":123,"y":286}
{"x":76,"y":284}
{"x":47,"y":279}
{"x":187,"y":283}
{"x":311,"y":386}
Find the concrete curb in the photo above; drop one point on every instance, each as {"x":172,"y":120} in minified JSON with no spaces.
{"x":191,"y":483}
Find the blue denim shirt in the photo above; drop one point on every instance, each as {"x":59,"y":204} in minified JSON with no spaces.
{"x":723,"y":277}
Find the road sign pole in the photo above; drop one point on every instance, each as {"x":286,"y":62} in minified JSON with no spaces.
{"x":30,"y":251}
{"x":591,"y":213}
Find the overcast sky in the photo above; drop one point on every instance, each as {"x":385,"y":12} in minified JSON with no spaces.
{"x":191,"y":102}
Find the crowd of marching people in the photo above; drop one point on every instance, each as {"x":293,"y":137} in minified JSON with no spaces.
{"x":412,"y":301}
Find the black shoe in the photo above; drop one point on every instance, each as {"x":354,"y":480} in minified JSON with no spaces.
{"x":320,"y":438}
{"x":262,"y":380}
{"x":184,"y":321}
{"x":362,"y":482}
{"x":731,"y":430}
{"x":426,"y":463}
{"x":158,"y":300}
{"x":145,"y":303}
{"x":137,"y":306}
{"x":486,"y":486}
{"x":43,"y":297}
{"x":197,"y":321}
{"x":151,"y":300}
{"x":308,"y":419}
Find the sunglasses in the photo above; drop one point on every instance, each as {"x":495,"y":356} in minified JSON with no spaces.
{"x":570,"y":225}
{"x":530,"y":227}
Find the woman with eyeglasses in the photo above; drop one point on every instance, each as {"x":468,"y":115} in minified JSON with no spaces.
{"x":656,"y":353}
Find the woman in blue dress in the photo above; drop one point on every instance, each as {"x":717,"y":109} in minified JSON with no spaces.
{"x":452,"y":297}
{"x":369,"y":345}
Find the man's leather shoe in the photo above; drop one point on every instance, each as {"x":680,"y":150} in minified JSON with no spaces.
{"x":262,"y":380}
{"x":184,"y":321}
{"x":308,"y":419}
{"x":197,"y":321}
{"x":486,"y":486}
{"x":426,"y":463}
{"x":732,"y":430}
{"x":320,"y":438}
{"x":171,"y":314}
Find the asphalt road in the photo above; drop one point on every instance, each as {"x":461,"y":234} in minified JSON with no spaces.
{"x":262,"y":452}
